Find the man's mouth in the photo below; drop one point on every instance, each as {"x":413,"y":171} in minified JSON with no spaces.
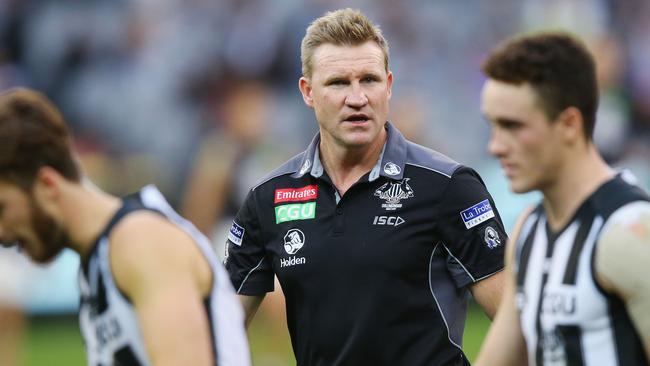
{"x":508,"y":169}
{"x":356,"y":118}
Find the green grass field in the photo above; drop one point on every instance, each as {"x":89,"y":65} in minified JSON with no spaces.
{"x":55,"y":341}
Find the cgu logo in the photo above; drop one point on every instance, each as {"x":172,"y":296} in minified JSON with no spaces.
{"x":559,"y":303}
{"x":296,"y":211}
{"x":388,"y":221}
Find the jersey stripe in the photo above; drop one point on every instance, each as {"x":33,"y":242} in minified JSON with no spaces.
{"x":525,"y":252}
{"x":572,"y":336}
{"x":566,"y":317}
{"x":576,"y":251}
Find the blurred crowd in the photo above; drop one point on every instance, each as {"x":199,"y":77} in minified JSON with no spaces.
{"x":200,"y":96}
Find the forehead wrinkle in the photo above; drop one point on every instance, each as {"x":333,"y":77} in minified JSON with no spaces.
{"x":355,"y":59}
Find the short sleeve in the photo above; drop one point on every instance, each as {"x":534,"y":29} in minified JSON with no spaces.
{"x":470,"y":228}
{"x":249,"y":267}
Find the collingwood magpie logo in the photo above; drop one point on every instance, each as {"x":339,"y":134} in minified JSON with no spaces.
{"x":393,"y":192}
{"x":492,"y":238}
{"x":294,"y":239}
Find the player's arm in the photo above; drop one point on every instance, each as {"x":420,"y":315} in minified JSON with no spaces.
{"x":621,"y":265}
{"x":247,"y":263}
{"x":504,"y":344}
{"x":473,"y":235}
{"x":208,"y":184}
{"x":488,"y":293}
{"x":165,"y":276}
{"x":250,"y":305}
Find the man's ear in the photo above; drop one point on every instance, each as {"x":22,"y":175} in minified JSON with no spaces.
{"x":47,"y":188}
{"x":304,"y":85}
{"x":572,"y":124}
{"x":389,"y":83}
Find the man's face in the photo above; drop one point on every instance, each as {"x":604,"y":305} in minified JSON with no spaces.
{"x":25,"y":224}
{"x":527,"y":144}
{"x":349,"y":90}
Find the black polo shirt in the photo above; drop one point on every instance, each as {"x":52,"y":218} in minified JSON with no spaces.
{"x":380,"y":275}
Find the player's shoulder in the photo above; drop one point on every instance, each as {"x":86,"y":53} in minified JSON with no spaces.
{"x":630,"y":214}
{"x":614,"y":195}
{"x":298,"y":163}
{"x":627,"y":218}
{"x":142,"y":229}
{"x":431,"y":160}
{"x":623,"y":244}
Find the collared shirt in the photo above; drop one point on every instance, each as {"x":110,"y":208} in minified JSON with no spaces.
{"x":380,"y":275}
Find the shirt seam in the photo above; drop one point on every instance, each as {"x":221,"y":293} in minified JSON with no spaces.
{"x":249,"y":273}
{"x":461,"y":264}
{"x":442,"y":314}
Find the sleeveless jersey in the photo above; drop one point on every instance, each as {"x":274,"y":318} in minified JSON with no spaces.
{"x":108,"y":321}
{"x":566,"y":317}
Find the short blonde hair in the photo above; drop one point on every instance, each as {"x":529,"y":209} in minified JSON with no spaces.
{"x":347,"y":27}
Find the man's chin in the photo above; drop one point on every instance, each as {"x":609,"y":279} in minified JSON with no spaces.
{"x":46,"y":257}
{"x":360,"y":139}
{"x":520,"y":188}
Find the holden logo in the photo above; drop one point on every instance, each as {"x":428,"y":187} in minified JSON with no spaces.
{"x":294,"y":239}
{"x":305,"y":166}
{"x":392,"y":169}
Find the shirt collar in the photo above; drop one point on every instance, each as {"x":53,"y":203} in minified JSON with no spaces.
{"x":390,"y":163}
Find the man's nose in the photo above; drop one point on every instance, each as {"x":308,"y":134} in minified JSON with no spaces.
{"x":496,"y":146}
{"x":357,"y":97}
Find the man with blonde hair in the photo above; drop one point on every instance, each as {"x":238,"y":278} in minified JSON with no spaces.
{"x":376,"y":241}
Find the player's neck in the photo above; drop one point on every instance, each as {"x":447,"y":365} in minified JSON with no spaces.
{"x":577,"y":179}
{"x":86,"y":213}
{"x":346,"y":166}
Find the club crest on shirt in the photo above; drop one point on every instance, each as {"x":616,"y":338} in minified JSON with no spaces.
{"x":492,"y":237}
{"x":393,"y":192}
{"x":477,"y":214}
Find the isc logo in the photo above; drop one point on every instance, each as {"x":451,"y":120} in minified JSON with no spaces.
{"x":388,"y":221}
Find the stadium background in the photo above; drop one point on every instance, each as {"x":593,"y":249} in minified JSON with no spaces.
{"x":158,"y":89}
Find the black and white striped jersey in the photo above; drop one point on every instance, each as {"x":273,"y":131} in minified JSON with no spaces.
{"x":566,"y":317}
{"x":108,"y":321}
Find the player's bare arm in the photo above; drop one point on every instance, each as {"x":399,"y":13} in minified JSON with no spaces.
{"x":489,"y":292}
{"x":166,"y":278}
{"x":622,"y":258}
{"x":504,"y":344}
{"x":250,"y":305}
